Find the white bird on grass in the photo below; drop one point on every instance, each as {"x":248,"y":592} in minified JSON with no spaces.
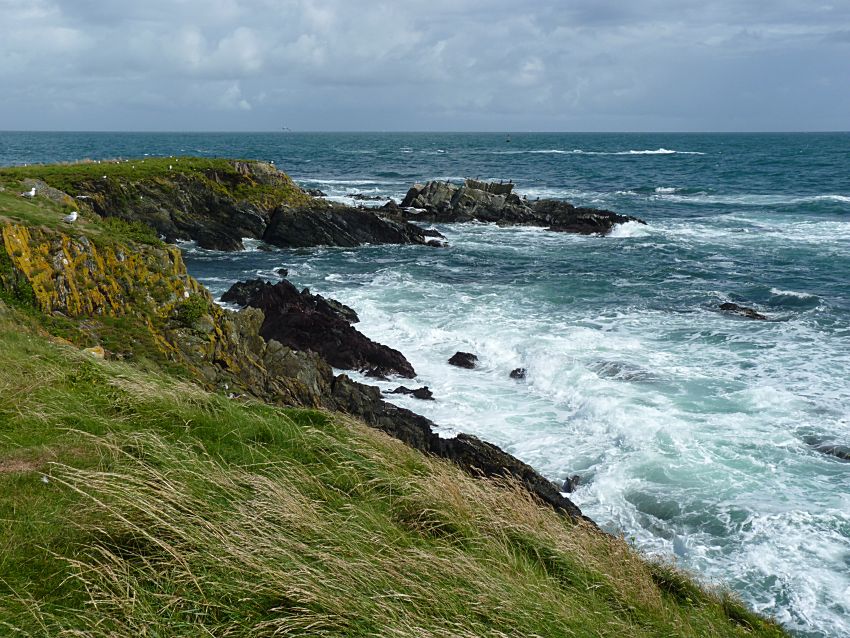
{"x":70,"y":219}
{"x":29,"y":193}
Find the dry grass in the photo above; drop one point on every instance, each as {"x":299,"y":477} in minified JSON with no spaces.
{"x":171,"y":511}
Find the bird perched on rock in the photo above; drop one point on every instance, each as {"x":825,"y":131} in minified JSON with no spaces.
{"x":71,"y":218}
{"x":29,"y":193}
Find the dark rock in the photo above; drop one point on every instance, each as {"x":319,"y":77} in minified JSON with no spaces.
{"x":518,"y":373}
{"x":743,"y":311}
{"x":490,"y":202}
{"x":303,"y":321}
{"x":435,"y":244}
{"x":315,"y":192}
{"x":283,"y":272}
{"x":826,"y":446}
{"x":571,"y":483}
{"x":463,"y":360}
{"x":328,"y":224}
{"x":841,"y":452}
{"x":362,"y":197}
{"x":477,"y":457}
{"x":563,"y":217}
{"x":418,"y":393}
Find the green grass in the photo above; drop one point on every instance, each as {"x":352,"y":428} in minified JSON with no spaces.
{"x":162,"y":174}
{"x":170,"y":511}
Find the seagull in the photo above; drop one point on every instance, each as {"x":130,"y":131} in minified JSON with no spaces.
{"x":29,"y":193}
{"x":70,"y":219}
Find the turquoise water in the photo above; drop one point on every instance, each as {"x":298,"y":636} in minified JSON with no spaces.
{"x":689,"y":428}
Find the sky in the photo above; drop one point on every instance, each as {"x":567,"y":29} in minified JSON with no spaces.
{"x":425,"y":65}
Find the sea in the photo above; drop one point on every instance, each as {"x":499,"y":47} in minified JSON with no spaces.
{"x":695,"y":433}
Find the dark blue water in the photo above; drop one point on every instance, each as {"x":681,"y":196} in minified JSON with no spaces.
{"x":690,"y":428}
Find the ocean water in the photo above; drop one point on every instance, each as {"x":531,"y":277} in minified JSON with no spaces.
{"x":691,"y":429}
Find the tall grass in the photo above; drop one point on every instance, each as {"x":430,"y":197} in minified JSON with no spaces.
{"x":170,"y":511}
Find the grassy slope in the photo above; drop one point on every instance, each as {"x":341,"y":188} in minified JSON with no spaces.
{"x":169,"y":511}
{"x":174,"y":509}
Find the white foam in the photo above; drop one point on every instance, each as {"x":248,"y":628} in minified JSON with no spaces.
{"x":629,"y":229}
{"x":790,"y":293}
{"x":665,"y":189}
{"x":844,"y":199}
{"x":578,"y":151}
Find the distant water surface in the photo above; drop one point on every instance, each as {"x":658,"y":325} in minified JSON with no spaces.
{"x":693,"y":431}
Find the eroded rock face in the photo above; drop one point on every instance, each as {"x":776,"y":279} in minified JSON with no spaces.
{"x":303,"y":321}
{"x":491,"y":202}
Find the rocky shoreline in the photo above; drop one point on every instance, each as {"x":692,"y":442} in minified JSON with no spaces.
{"x":282,"y":345}
{"x":301,"y":321}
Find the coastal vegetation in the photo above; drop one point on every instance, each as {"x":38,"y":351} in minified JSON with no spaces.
{"x":157,"y":478}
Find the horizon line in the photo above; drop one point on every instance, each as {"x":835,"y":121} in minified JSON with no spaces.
{"x":420,"y":132}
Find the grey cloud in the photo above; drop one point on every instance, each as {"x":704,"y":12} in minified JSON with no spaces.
{"x":419,"y":64}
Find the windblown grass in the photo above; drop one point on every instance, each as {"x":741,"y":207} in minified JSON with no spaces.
{"x":170,"y":511}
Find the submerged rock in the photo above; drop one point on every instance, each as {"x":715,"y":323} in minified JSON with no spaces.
{"x":518,"y":373}
{"x":463,"y":360}
{"x":491,"y":202}
{"x":743,"y":311}
{"x":304,"y":321}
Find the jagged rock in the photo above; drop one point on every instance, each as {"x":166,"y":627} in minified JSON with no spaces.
{"x":743,"y":311}
{"x":518,"y":373}
{"x":491,"y":202}
{"x":283,"y":272}
{"x":329,"y":224}
{"x":417,"y":393}
{"x":304,"y":321}
{"x":315,"y":192}
{"x":463,"y":360}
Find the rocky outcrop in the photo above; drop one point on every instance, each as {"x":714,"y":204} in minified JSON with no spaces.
{"x":137,"y":301}
{"x":304,"y":321}
{"x":518,"y":373}
{"x":217,"y":203}
{"x":491,"y":202}
{"x":324,"y":223}
{"x":423,"y":393}
{"x":742,"y":311}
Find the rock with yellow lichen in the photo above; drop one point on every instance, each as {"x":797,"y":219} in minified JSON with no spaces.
{"x":149,"y":289}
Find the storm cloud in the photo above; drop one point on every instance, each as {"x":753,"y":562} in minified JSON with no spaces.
{"x":576,"y":65}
